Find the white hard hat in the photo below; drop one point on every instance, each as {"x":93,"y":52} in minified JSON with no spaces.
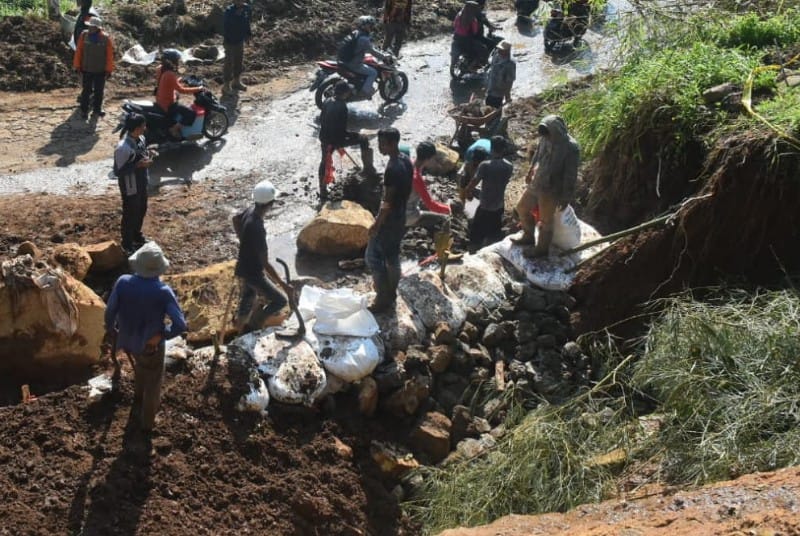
{"x":264,"y":193}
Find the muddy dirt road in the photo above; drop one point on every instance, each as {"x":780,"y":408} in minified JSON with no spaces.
{"x":274,"y":128}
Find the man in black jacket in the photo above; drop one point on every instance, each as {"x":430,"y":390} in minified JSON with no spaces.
{"x":333,"y":135}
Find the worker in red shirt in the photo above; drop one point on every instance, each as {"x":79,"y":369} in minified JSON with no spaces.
{"x":94,"y":59}
{"x":169,"y":85}
{"x":436,"y":214}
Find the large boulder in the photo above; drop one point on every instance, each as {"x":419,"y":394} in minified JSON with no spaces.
{"x":432,"y":300}
{"x":73,"y":259}
{"x":340,"y":229}
{"x":106,"y":256}
{"x":445,"y":161}
{"x":47,"y":318}
{"x":431,"y":437}
{"x":402,"y":329}
{"x":204,"y":294}
{"x":479,"y":280}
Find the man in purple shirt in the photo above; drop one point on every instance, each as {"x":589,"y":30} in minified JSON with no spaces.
{"x":135,"y":316}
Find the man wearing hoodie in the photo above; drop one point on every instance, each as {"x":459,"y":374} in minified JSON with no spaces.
{"x":551,"y":181}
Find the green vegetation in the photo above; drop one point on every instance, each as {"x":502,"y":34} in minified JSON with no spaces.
{"x":722,"y":382}
{"x":37,"y":7}
{"x":661,"y":86}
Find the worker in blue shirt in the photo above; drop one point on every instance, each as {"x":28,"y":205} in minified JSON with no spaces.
{"x":135,"y":316}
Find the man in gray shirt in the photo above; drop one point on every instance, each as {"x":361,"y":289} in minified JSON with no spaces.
{"x":494,"y":173}
{"x":502,"y":73}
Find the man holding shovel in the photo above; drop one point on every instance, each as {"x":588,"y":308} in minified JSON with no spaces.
{"x":253,"y":262}
{"x":135,"y":323}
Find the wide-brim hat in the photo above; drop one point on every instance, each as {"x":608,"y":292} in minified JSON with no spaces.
{"x":504,"y":45}
{"x":94,"y":22}
{"x":148,"y":261}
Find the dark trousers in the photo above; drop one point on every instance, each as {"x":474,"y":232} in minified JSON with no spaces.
{"x":234,"y":61}
{"x":133,"y":188}
{"x":394,"y":34}
{"x":259,"y":285}
{"x":383,"y":259}
{"x":494,"y":101}
{"x":487,"y":225}
{"x":149,"y":375}
{"x":94,"y":84}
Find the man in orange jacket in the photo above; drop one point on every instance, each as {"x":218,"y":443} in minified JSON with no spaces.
{"x":94,"y":59}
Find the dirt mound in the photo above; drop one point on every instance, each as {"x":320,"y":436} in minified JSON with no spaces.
{"x":76,"y":465}
{"x":33,"y":55}
{"x":744,"y":226}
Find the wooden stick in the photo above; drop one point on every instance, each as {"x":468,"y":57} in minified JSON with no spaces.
{"x":618,"y":234}
{"x":499,"y":375}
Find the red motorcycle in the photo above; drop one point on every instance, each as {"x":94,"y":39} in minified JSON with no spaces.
{"x":392,"y":82}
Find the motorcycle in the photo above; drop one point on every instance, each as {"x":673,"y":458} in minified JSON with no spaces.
{"x":525,"y":10}
{"x":211,"y":121}
{"x":461,"y":64}
{"x":561,"y":29}
{"x":392,"y":82}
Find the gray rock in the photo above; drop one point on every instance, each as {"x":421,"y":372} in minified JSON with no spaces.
{"x":533,"y":300}
{"x":494,"y":410}
{"x":443,"y":334}
{"x":469,"y":333}
{"x":417,"y":359}
{"x":449,"y":390}
{"x":493,"y":335}
{"x":461,"y":421}
{"x":719,"y":92}
{"x":389,"y":375}
{"x":572,"y":351}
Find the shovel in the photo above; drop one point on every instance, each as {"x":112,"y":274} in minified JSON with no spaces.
{"x":301,"y":330}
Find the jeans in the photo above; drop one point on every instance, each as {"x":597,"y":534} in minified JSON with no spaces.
{"x":383,"y":259}
{"x":93,"y":83}
{"x":234,"y":61}
{"x":133,"y":189}
{"x":259,"y":285}
{"x":148,"y":377}
{"x":366,"y":71}
{"x":187,"y":115}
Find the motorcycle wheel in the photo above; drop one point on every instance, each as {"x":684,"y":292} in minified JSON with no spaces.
{"x":215,"y":124}
{"x":458,"y":67}
{"x":325,"y":91}
{"x":393,"y":88}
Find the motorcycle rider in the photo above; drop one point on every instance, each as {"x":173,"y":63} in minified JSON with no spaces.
{"x":333,"y":134}
{"x":167,"y":89}
{"x":467,"y":31}
{"x":363,"y":44}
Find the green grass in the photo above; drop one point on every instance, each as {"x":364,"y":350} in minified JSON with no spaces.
{"x":722,"y":378}
{"x":38,"y":8}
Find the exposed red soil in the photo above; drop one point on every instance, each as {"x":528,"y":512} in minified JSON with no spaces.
{"x":73,"y":465}
{"x":745,"y":229}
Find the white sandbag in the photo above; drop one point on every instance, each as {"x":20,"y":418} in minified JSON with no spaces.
{"x":177,"y":348}
{"x":338,"y":312}
{"x":350,"y":358}
{"x":256,"y":400}
{"x":567,"y":229}
{"x":100,"y":385}
{"x":554,"y":272}
{"x":300,"y":378}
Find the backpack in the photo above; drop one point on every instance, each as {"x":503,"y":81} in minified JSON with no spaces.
{"x":347,"y":48}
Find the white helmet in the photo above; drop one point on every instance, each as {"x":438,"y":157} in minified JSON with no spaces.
{"x":264,"y":193}
{"x":366,"y":20}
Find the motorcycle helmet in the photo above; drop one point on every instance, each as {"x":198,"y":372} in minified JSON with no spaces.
{"x":264,"y":193}
{"x":365,"y":22}
{"x":172,"y":55}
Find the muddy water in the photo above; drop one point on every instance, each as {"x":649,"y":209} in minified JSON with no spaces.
{"x":276,"y":139}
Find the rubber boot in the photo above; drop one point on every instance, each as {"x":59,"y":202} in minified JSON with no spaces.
{"x":383,"y":295}
{"x":367,"y":159}
{"x":237,"y":84}
{"x":542,"y":249}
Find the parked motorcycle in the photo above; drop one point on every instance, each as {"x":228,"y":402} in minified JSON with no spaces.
{"x":392,"y":82}
{"x":525,"y":10}
{"x":562,"y":29}
{"x":211,"y":121}
{"x":462,"y":64}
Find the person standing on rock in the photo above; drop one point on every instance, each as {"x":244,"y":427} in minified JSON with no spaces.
{"x":386,"y":234}
{"x":134,"y":318}
{"x":94,"y":59}
{"x":502,"y":73}
{"x":333,"y":134}
{"x":551,"y":181}
{"x":132,"y":161}
{"x":437,"y":214}
{"x":236,"y":32}
{"x":396,"y":18}
{"x":494,"y":173}
{"x":253,"y":262}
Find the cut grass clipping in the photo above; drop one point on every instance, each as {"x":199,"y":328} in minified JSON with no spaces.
{"x":725,"y":380}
